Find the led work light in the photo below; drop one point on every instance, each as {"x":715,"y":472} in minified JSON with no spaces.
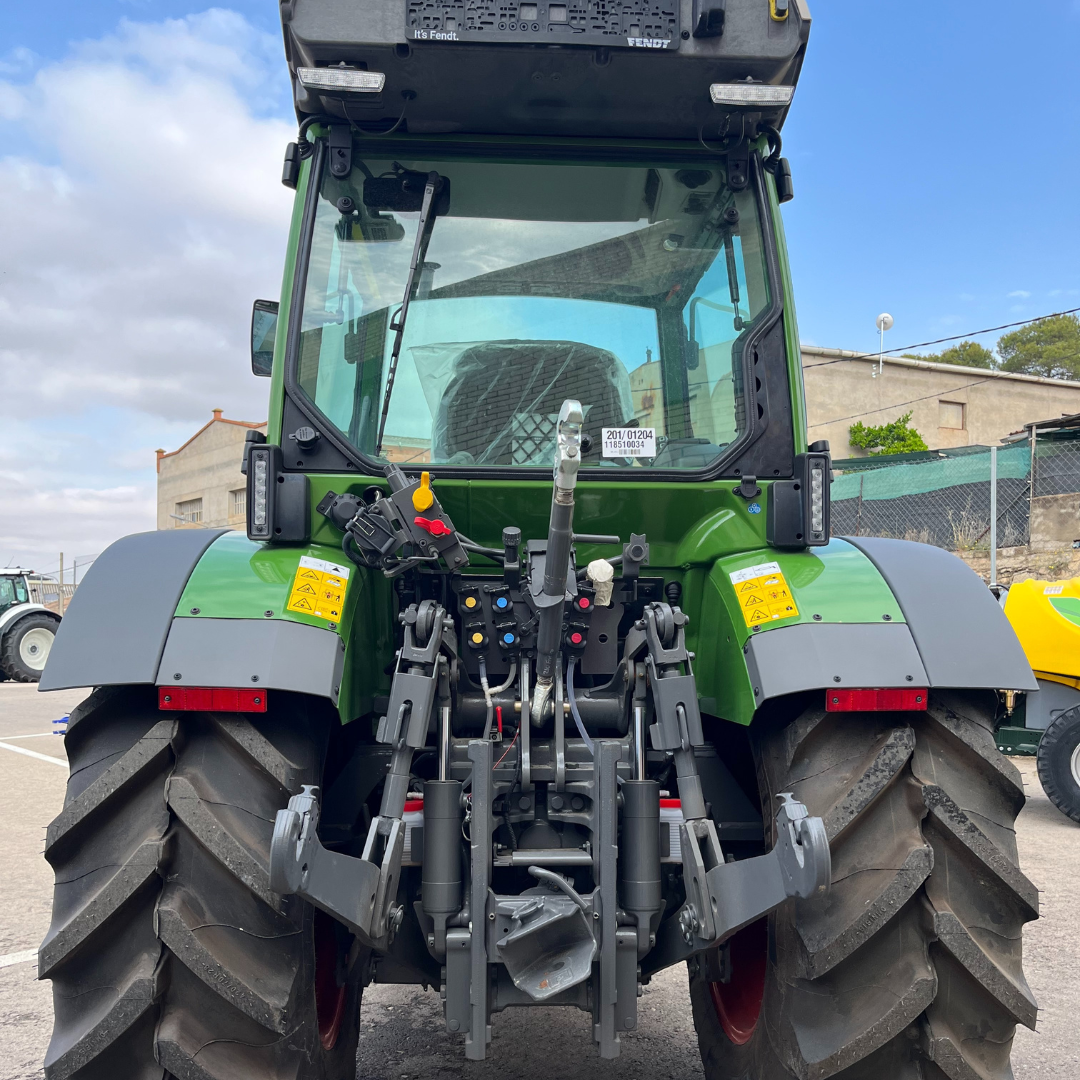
{"x":360,"y":82}
{"x":750,"y":94}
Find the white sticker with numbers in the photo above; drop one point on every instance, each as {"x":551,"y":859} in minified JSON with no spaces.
{"x":629,"y":442}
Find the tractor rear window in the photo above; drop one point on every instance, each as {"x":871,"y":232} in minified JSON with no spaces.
{"x":626,"y":287}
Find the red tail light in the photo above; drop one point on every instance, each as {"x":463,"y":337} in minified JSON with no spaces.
{"x":905,"y":699}
{"x":210,"y":699}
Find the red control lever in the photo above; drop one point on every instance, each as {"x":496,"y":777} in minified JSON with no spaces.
{"x":434,"y":527}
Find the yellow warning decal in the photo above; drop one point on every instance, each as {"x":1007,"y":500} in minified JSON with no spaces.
{"x":319,"y":588}
{"x":763,"y":594}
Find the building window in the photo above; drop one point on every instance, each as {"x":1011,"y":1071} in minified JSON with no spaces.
{"x":951,"y":414}
{"x":190,"y":512}
{"x":239,"y":502}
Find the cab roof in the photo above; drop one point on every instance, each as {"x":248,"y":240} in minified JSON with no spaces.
{"x":576,"y":68}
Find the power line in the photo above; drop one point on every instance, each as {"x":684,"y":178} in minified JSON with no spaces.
{"x":898,"y":405}
{"x":943,"y":341}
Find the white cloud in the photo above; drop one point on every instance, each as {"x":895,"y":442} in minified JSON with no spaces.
{"x":143,"y":213}
{"x":1020,"y":294}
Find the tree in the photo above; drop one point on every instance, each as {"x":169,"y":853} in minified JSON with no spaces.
{"x":1050,"y":347}
{"x":966,"y":354}
{"x":894,"y":438}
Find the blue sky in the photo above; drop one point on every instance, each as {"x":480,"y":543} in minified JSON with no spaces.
{"x":935,"y":149}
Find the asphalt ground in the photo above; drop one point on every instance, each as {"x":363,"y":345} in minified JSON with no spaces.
{"x":402,"y":1032}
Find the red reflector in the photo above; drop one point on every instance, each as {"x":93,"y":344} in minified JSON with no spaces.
{"x":414,"y":806}
{"x":671,"y":804}
{"x":210,"y":699}
{"x":902,"y":699}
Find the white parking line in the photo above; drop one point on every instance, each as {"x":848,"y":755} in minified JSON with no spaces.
{"x":33,"y":753}
{"x":18,"y":958}
{"x":36,"y":735}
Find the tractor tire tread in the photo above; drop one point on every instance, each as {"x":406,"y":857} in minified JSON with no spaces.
{"x":913,"y":957}
{"x":162,"y":906}
{"x":11,"y":663}
{"x":1054,"y":759}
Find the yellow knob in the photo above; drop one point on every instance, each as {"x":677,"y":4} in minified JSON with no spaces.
{"x":470,"y":601}
{"x":422,"y":497}
{"x":477,"y":638}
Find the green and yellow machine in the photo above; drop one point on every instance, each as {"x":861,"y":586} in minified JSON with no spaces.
{"x":537,"y":670}
{"x":1046,"y":618}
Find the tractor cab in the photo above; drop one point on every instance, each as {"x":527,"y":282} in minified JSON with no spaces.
{"x":450,"y":332}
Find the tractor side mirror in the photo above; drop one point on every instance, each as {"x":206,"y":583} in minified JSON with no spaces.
{"x":264,"y":314}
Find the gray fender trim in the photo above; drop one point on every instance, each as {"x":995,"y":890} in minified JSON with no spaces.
{"x":962,"y":634}
{"x":115,"y":627}
{"x":810,"y":656}
{"x":268,"y":653}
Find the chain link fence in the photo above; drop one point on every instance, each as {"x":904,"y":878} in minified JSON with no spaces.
{"x":944,"y":497}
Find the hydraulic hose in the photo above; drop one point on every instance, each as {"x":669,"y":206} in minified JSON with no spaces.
{"x":572,"y":695}
{"x":489,"y":693}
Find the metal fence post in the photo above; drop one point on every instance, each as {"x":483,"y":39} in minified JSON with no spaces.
{"x":1031,"y":482}
{"x":993,"y":515}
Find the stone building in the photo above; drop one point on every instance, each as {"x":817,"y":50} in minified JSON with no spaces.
{"x":950,"y":406}
{"x":200,"y":485}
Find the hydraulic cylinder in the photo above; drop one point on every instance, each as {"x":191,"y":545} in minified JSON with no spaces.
{"x":441,"y":879}
{"x":639,"y":855}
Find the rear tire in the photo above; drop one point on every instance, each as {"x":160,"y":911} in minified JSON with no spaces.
{"x":910,"y":967}
{"x":1059,"y":763}
{"x":169,"y":955}
{"x":26,"y":647}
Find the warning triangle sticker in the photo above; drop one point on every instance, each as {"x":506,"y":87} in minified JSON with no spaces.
{"x":750,"y":601}
{"x":310,"y":575}
{"x":759,"y":616}
{"x":305,"y":588}
{"x":749,"y":586}
{"x":302,"y":604}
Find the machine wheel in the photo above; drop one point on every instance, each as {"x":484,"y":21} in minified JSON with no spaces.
{"x":169,"y":956}
{"x":26,"y":647}
{"x":1059,"y":763}
{"x":910,"y":967}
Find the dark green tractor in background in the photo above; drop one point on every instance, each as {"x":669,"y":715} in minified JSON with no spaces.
{"x":537,"y":670}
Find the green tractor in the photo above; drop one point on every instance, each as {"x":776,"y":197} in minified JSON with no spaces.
{"x":537,"y":670}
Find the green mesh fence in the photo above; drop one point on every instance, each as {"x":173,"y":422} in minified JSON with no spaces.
{"x":943,"y":501}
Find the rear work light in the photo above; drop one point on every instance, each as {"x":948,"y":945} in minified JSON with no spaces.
{"x":210,"y":699}
{"x":750,"y":94}
{"x":360,"y":82}
{"x":905,"y":699}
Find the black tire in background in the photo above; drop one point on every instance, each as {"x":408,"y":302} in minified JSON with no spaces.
{"x":1059,"y":763}
{"x":25,"y":647}
{"x":168,"y":953}
{"x":910,"y":967}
